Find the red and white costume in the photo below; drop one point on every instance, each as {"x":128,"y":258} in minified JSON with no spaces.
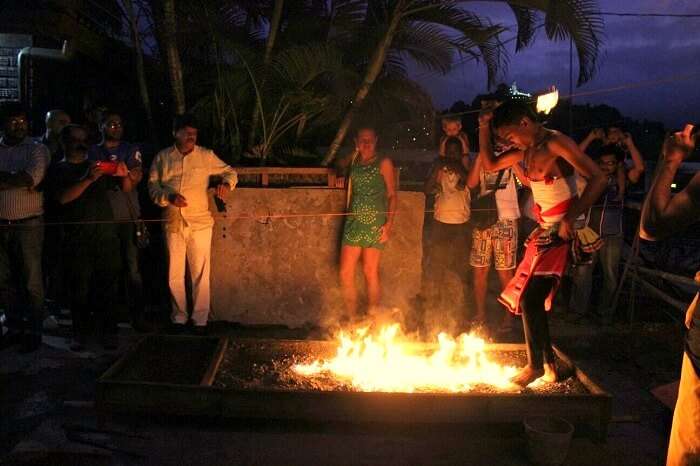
{"x":546,"y":254}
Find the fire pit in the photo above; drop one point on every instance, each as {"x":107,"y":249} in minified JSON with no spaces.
{"x":276,"y":379}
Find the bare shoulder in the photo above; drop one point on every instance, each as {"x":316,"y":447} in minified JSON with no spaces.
{"x":561,"y":144}
{"x":559,"y":139}
{"x":386,"y":164}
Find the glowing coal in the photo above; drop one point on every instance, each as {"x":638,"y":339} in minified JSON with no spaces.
{"x":386,"y":361}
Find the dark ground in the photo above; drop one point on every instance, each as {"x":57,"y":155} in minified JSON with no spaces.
{"x":627,"y":360}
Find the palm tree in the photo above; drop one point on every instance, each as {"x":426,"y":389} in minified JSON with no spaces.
{"x":165,"y":17}
{"x":432,"y":32}
{"x":269,"y":45}
{"x":132,"y":18}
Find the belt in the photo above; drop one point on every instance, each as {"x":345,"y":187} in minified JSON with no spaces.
{"x":18,"y":221}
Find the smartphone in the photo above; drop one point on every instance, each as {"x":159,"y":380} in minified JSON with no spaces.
{"x":108,"y":167}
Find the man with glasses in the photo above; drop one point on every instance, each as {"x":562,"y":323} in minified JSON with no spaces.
{"x":123,"y":197}
{"x":23,"y":164}
{"x":605,"y":218}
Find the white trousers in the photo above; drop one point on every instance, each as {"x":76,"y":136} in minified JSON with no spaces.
{"x":195,"y":248}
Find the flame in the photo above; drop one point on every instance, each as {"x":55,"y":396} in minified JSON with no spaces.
{"x":387,"y":362}
{"x":546,"y":102}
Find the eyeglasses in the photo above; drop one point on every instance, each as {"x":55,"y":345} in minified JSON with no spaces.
{"x":17,"y":121}
{"x":114,"y":125}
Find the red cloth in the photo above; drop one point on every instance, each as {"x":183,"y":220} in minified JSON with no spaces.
{"x":549,"y":261}
{"x":557,"y":210}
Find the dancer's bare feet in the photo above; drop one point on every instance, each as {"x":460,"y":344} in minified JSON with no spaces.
{"x":550,"y":373}
{"x":526,"y":376}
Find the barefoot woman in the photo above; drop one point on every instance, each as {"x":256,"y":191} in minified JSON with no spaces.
{"x":372,"y":204}
{"x":552,"y":161}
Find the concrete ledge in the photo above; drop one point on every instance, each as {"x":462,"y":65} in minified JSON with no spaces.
{"x":268,"y":270}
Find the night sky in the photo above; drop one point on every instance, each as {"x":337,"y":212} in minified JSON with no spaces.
{"x":635,"y":49}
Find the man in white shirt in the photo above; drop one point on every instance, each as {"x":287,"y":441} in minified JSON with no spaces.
{"x":498,"y":242}
{"x":178,"y":180}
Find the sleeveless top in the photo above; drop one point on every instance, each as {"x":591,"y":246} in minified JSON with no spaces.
{"x":367,"y":207}
{"x":552,"y":196}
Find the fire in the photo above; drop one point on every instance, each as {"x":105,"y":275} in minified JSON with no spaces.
{"x":388,"y":362}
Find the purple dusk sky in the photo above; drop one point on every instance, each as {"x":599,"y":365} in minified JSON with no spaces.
{"x":635,"y":49}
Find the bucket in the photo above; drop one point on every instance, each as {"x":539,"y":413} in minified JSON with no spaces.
{"x":548,"y":439}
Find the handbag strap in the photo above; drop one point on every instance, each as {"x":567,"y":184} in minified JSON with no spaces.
{"x":353,"y":160}
{"x":501,"y":172}
{"x":130,"y":205}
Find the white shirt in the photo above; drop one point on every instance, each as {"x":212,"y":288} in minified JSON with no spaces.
{"x":506,"y":195}
{"x":187,"y":175}
{"x":451,"y":203}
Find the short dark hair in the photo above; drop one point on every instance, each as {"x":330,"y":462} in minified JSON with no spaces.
{"x":453,"y":142}
{"x":65,"y":133}
{"x":186,"y":120}
{"x":619,"y":125}
{"x":511,"y":112}
{"x":611,"y":149}
{"x":11,"y":109}
{"x":108,"y":113}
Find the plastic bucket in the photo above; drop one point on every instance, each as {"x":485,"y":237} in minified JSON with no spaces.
{"x":548,"y":439}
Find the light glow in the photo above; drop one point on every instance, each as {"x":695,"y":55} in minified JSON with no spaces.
{"x":387,"y":361}
{"x":546,"y":102}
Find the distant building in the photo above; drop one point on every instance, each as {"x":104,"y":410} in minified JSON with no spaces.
{"x":502,"y":93}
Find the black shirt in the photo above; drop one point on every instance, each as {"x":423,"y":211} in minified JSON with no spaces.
{"x":92,"y":206}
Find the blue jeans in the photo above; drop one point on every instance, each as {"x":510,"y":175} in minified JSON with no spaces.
{"x":609,"y":258}
{"x":21,"y":280}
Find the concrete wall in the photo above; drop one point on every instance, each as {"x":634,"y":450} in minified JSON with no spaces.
{"x":284,"y":270}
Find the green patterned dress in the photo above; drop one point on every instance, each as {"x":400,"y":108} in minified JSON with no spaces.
{"x":368,"y":206}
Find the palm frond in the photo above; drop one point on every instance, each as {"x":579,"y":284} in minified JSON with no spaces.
{"x":581,"y":21}
{"x":470,"y":33}
{"x":301,"y":65}
{"x":345,"y":18}
{"x":578,"y":20}
{"x":527,"y":26}
{"x":427,"y":44}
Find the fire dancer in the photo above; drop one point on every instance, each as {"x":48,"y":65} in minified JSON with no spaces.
{"x":552,"y":161}
{"x":178,"y":180}
{"x":663,"y":215}
{"x":372,"y":204}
